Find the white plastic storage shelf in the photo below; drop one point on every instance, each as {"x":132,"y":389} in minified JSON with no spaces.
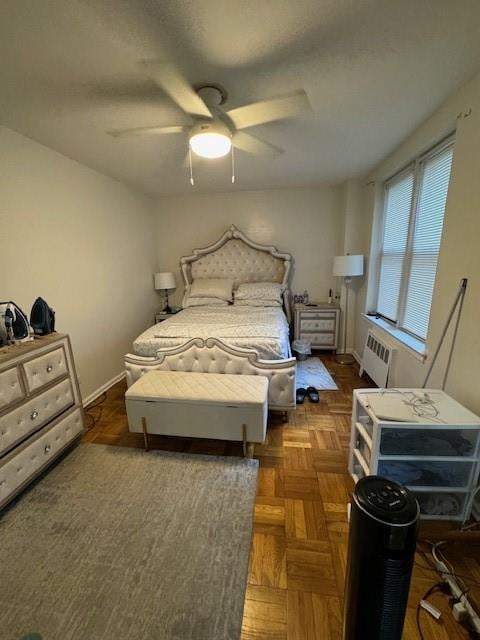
{"x":435,"y":453}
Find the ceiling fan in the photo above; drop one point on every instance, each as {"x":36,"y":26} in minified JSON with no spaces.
{"x":213,"y":132}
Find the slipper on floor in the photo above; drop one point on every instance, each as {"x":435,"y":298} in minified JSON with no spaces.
{"x":313,"y":395}
{"x":301,"y":393}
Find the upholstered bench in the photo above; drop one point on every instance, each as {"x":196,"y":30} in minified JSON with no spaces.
{"x":199,"y":405}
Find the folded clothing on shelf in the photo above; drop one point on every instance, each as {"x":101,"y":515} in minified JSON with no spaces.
{"x":439,"y":504}
{"x":416,"y":442}
{"x":424,"y":473}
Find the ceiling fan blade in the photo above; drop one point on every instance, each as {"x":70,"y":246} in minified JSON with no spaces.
{"x":141,"y":131}
{"x":268,"y":110}
{"x":177,"y":87}
{"x":251,"y":144}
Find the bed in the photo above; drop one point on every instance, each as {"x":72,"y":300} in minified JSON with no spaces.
{"x":227,"y":339}
{"x":265,"y":330}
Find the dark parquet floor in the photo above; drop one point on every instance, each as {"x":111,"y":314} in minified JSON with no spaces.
{"x":299,"y":545}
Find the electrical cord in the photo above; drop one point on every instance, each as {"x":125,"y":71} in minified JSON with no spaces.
{"x":95,"y":418}
{"x":448,"y":573}
{"x":460,"y":580}
{"x":439,"y":556}
{"x":436,"y":551}
{"x":436,"y":587}
{"x":422,"y":406}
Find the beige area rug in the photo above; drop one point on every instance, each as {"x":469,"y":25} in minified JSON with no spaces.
{"x":313,"y":373}
{"x":119,"y":544}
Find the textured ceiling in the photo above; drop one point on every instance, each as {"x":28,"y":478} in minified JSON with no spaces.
{"x":373,"y":70}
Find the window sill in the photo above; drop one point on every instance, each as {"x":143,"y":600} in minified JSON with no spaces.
{"x":413,"y":345}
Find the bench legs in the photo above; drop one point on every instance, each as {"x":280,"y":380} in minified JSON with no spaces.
{"x":248,"y":447}
{"x":145,"y":433}
{"x":244,"y":438}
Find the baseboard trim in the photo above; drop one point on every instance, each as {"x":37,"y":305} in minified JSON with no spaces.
{"x":356,"y":356}
{"x":105,"y":387}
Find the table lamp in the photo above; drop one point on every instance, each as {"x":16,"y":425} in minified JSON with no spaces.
{"x":164,"y":281}
{"x":347,"y":267}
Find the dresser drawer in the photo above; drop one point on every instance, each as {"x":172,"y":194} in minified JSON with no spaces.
{"x":45,"y":369}
{"x":320,"y":324}
{"x":320,"y":339}
{"x":17,"y":470}
{"x":34,"y":414}
{"x":11,"y":388}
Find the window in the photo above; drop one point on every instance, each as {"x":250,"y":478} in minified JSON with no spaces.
{"x":414,"y":208}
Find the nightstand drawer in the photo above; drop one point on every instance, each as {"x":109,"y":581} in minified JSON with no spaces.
{"x":317,"y":315}
{"x":320,"y":339}
{"x":317,"y":325}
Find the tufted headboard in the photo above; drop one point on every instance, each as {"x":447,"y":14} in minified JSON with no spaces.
{"x":236,"y":256}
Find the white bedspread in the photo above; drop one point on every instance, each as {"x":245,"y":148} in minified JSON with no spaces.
{"x":264,"y":329}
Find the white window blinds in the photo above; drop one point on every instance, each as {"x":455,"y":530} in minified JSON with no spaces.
{"x":398,"y":198}
{"x":427,"y":235}
{"x":414,"y":209}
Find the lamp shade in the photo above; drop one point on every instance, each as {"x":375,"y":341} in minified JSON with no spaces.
{"x":165,"y":280}
{"x":348,"y":266}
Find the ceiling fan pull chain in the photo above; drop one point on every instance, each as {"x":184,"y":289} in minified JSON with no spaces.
{"x":192,"y":181}
{"x":233,"y":165}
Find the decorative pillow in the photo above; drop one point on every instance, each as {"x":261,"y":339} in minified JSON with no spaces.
{"x":212,"y":288}
{"x":192,"y":301}
{"x":252,"y":302}
{"x":260,"y":291}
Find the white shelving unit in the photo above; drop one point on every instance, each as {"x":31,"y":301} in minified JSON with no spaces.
{"x":436,"y":455}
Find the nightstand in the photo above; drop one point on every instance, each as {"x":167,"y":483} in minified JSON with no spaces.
{"x":161,"y":316}
{"x":319,"y":324}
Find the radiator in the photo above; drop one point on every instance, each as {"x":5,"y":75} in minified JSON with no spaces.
{"x":377,"y":359}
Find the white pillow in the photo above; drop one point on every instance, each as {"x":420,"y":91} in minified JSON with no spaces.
{"x":260,"y":291}
{"x":212,"y":288}
{"x":252,"y":302}
{"x":191,"y":301}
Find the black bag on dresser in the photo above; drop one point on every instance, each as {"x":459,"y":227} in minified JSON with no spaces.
{"x":42,"y":318}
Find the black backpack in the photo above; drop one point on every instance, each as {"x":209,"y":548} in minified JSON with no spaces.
{"x":42,"y":318}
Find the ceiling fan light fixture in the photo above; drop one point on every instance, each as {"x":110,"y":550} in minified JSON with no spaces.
{"x":210,"y":145}
{"x":210,"y":140}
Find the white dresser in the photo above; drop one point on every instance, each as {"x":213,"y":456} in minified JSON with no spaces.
{"x":40,"y":409}
{"x":318,"y":324}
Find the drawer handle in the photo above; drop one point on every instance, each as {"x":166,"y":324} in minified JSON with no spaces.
{"x":47,"y":449}
{"x":49,"y":368}
{"x":34,"y":415}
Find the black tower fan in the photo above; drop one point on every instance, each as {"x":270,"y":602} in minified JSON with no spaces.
{"x":381,"y":549}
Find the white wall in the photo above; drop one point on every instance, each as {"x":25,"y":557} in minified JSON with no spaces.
{"x":82,"y":241}
{"x":304,"y":222}
{"x":355,"y":240}
{"x":459,"y":253}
